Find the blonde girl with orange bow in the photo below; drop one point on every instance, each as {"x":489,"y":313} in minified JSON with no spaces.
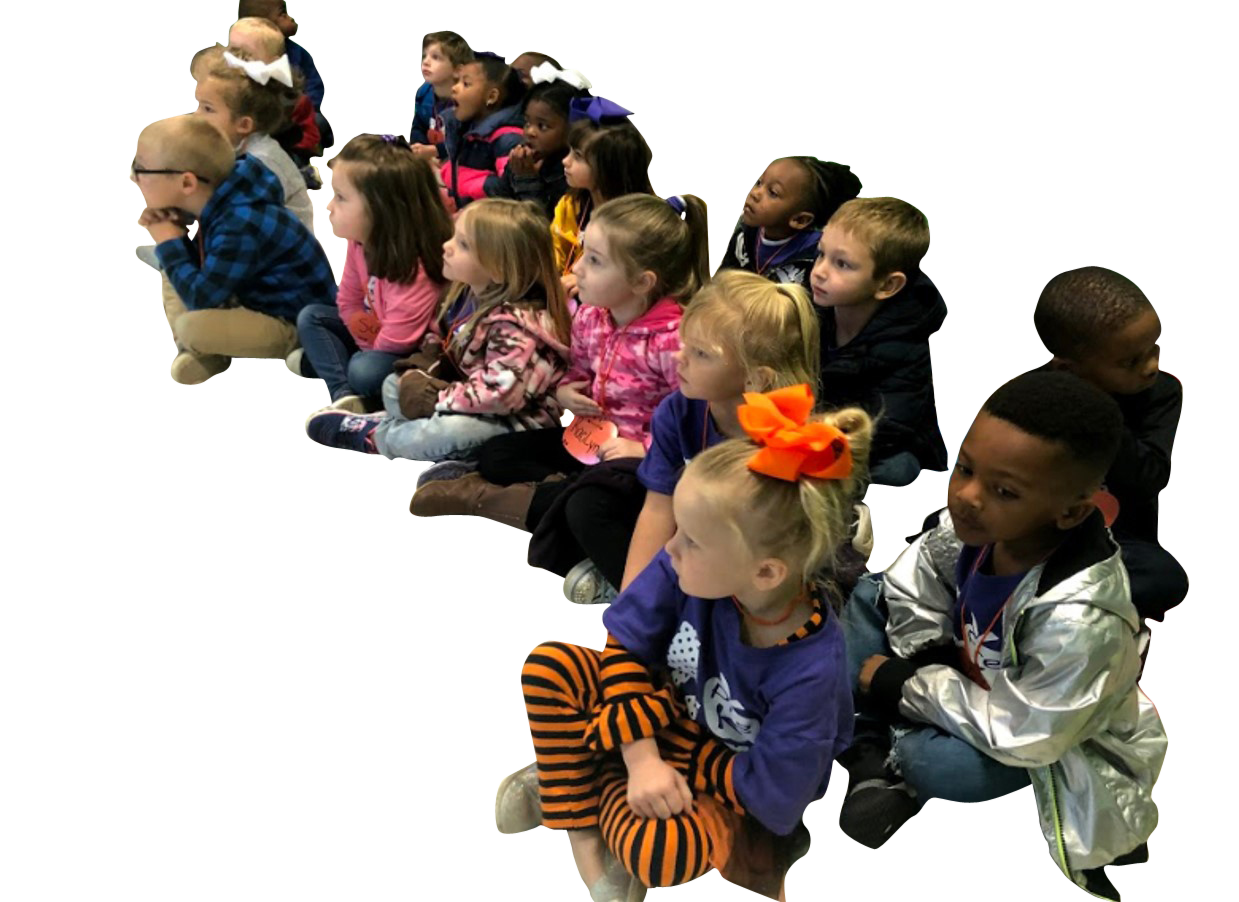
{"x":701,"y":733}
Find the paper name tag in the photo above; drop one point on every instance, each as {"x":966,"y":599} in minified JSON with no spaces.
{"x":585,"y":435}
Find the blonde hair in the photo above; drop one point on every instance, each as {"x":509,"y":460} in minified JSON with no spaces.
{"x":408,"y":222}
{"x":761,"y":324}
{"x":646,"y":233}
{"x":204,"y":59}
{"x":193,"y":144}
{"x":267,"y":36}
{"x":265,"y":104}
{"x":804,"y":522}
{"x":895,"y":232}
{"x":512,"y":242}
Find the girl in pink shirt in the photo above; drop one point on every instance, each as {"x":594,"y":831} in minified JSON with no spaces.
{"x":386,"y":204}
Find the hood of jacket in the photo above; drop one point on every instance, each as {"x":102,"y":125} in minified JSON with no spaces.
{"x":663,"y":316}
{"x":249,"y":183}
{"x":914,"y":314}
{"x":480,"y":129}
{"x":537,"y":321}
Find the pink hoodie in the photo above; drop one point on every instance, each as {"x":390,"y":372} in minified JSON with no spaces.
{"x":403,"y":310}
{"x":628,"y":369}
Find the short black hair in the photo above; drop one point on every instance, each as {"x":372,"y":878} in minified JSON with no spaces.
{"x":1081,"y":306}
{"x":1061,"y":407}
{"x":498,"y":73}
{"x":558,"y":95}
{"x":830,"y":184}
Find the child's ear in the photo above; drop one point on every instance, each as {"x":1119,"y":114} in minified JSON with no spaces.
{"x":492,"y":97}
{"x":244,"y":125}
{"x":890,"y":285}
{"x":760,"y":379}
{"x":771,"y":573}
{"x":644,"y":283}
{"x":801,"y":220}
{"x":1076,"y":514}
{"x":189,"y":183}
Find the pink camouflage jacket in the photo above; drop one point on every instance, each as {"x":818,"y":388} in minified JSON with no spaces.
{"x":627,"y":369}
{"x":512,"y":361}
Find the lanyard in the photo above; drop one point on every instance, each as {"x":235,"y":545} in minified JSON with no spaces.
{"x":608,"y":362}
{"x":973,"y":668}
{"x":582,"y":217}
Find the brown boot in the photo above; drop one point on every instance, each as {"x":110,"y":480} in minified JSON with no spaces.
{"x":471,"y":495}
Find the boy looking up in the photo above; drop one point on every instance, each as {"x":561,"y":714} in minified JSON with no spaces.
{"x":443,"y":53}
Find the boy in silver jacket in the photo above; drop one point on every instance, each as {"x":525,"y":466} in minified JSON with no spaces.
{"x":1001,"y":647}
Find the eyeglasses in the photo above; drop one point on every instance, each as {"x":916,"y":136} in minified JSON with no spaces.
{"x":135,"y":170}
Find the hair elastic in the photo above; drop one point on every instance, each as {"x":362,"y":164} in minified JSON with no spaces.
{"x":395,"y":140}
{"x":676,"y":203}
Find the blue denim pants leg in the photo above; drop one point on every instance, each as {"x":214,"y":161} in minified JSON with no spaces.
{"x":368,"y":369}
{"x":444,"y":436}
{"x":328,"y":346}
{"x":864,"y":634}
{"x":940,"y":766}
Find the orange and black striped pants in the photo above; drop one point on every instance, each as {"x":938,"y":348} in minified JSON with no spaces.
{"x":581,"y":786}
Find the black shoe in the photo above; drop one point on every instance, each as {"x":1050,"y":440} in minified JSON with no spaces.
{"x":874,"y":809}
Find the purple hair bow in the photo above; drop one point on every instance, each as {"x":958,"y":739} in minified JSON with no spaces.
{"x":595,"y":109}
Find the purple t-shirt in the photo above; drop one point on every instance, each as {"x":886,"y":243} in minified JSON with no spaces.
{"x":786,"y":710}
{"x":980,"y":600}
{"x":679,"y":430}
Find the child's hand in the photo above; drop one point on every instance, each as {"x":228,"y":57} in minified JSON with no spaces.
{"x":868,"y":669}
{"x":419,"y":393}
{"x":569,"y":283}
{"x":614,"y":448}
{"x":656,"y":789}
{"x":363,"y":326}
{"x":164,"y":224}
{"x":570,"y":396}
{"x":522,"y":161}
{"x":427,"y":152}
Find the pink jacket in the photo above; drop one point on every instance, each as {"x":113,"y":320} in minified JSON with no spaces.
{"x":628,"y":369}
{"x":512,"y":361}
{"x":403,"y":310}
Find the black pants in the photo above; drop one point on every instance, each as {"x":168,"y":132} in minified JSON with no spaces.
{"x":1158,"y":581}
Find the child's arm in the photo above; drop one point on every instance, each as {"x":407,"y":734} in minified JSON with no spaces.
{"x":313,"y":81}
{"x":504,"y":142}
{"x":1142,"y":466}
{"x":655,"y":527}
{"x":1073,"y":660}
{"x":499,"y":386}
{"x":408,"y":309}
{"x":421,"y":115}
{"x":919,"y":589}
{"x":234,"y":260}
{"x":350,"y":296}
{"x":730,"y":259}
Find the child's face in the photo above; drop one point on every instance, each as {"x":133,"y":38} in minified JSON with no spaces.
{"x":776,"y":201}
{"x":285,"y":23}
{"x":600,"y":280}
{"x":472,"y":92}
{"x":1009,"y":486}
{"x":707,"y":371}
{"x":159,"y":190}
{"x":577,"y":172}
{"x":522,"y":64}
{"x":843,"y":273}
{"x":213,"y":107}
{"x":437,"y":69}
{"x":347,"y":211}
{"x":1125,"y":362}
{"x":708,"y":557}
{"x":546,"y":131}
{"x":460,"y":262}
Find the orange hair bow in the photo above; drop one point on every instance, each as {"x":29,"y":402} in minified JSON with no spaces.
{"x":792,"y":446}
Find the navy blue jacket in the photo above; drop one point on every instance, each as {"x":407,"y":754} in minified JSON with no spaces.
{"x":477,"y":152}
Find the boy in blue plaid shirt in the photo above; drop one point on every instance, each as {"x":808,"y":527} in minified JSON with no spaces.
{"x":236,"y":288}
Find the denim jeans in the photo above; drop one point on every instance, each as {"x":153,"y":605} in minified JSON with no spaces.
{"x":444,"y":436}
{"x":335,"y":357}
{"x":934,"y":763}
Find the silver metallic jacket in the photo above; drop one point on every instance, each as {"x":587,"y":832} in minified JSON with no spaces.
{"x":1065,"y":704}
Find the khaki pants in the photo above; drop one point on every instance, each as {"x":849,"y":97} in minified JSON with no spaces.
{"x":227,"y":331}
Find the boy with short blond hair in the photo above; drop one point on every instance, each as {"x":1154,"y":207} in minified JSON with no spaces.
{"x":878,"y":310}
{"x":235,"y":290}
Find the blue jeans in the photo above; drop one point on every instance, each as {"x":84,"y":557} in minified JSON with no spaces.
{"x":444,"y":436}
{"x":934,"y":763}
{"x":335,"y":357}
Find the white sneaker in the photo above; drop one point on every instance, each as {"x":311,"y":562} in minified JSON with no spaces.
{"x":862,"y":541}
{"x":517,"y":805}
{"x":585,"y":584}
{"x":350,"y":403}
{"x":293,"y":361}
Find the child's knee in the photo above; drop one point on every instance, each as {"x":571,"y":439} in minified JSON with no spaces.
{"x":668,"y":852}
{"x":556,"y":665}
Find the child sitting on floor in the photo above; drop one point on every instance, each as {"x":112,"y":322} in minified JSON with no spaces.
{"x":443,"y":53}
{"x":276,"y":11}
{"x":1001,"y":647}
{"x":710,"y":722}
{"x":482,"y":130}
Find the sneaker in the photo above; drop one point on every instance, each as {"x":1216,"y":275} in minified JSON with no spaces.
{"x":517,"y":805}
{"x":350,"y":404}
{"x":617,"y":888}
{"x":448,"y":469}
{"x":585,"y":584}
{"x":339,"y":429}
{"x":146,"y":253}
{"x":294,"y":361}
{"x":874,"y":809}
{"x":189,"y":368}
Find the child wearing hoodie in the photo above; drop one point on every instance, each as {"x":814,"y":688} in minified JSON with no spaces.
{"x":483,"y":129}
{"x":878,"y":310}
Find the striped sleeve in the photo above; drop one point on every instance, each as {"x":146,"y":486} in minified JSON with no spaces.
{"x":632,"y":707}
{"x":712,"y":773}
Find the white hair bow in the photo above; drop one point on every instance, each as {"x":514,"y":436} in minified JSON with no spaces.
{"x":262,"y":72}
{"x":545,"y":72}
